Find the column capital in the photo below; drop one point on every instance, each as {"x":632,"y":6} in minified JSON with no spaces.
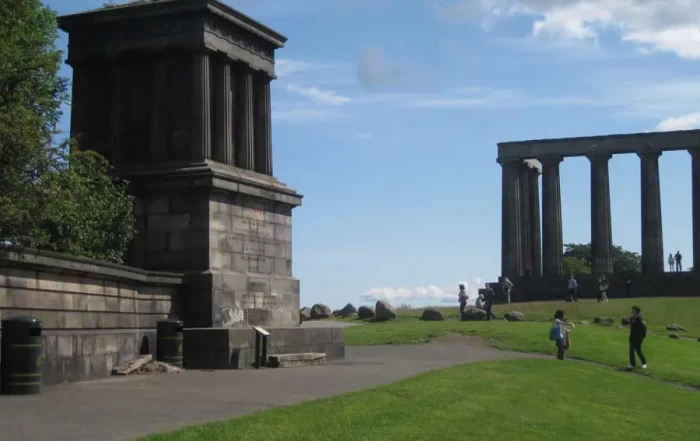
{"x":599,"y":157}
{"x":510,"y":162}
{"x":649,"y":154}
{"x":550,"y":160}
{"x":694,"y":151}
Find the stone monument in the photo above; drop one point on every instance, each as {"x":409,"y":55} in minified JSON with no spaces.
{"x":176,"y":94}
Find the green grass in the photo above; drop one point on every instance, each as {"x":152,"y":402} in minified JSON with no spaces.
{"x":519,"y":400}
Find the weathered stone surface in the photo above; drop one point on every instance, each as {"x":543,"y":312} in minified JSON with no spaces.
{"x":305,"y":313}
{"x":675,"y":327}
{"x":474,"y":314}
{"x":384,"y":310}
{"x":515,"y":316}
{"x":606,"y":321}
{"x":297,"y":360}
{"x":584,"y":322}
{"x":347,"y":310}
{"x":320,"y":311}
{"x":365,"y":312}
{"x":432,"y":315}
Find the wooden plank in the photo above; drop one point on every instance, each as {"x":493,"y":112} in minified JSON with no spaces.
{"x":260,"y":330}
{"x":132,"y":366}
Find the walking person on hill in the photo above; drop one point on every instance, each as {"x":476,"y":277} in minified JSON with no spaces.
{"x":638,"y":332}
{"x":603,"y":286}
{"x":507,"y":288}
{"x":679,"y":261}
{"x":560,"y":333}
{"x":489,"y":298}
{"x":463,"y":297}
{"x":671,"y":262}
{"x":571,"y":289}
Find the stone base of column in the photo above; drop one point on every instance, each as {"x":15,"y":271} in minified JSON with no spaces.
{"x":229,"y":231}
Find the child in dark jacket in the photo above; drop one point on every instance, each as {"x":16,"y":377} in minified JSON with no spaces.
{"x":638,"y":331}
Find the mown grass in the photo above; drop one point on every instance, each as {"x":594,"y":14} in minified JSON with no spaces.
{"x":523,"y":400}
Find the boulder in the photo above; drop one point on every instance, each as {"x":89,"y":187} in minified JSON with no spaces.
{"x":320,"y":311}
{"x":384,"y":310}
{"x":347,"y":310}
{"x":515,"y":316}
{"x":625,"y":321}
{"x":584,"y":322}
{"x":675,"y":327}
{"x":336,"y":313}
{"x":673,"y":336}
{"x":432,"y":315}
{"x":305,"y":314}
{"x":474,"y":314}
{"x":365,"y":312}
{"x":607,"y":321}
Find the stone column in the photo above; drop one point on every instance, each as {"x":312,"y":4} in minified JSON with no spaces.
{"x":695,"y":157}
{"x":552,"y":239}
{"x":159,"y":111}
{"x":601,"y":224}
{"x":79,"y":104}
{"x":116,"y":156}
{"x":245,"y":147}
{"x":263,"y":126}
{"x":223,"y":122}
{"x":535,"y":226}
{"x":652,"y":229}
{"x":511,"y":256}
{"x":201,"y":107}
{"x":524,"y":216}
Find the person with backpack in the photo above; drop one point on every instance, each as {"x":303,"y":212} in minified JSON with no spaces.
{"x":638,"y":332}
{"x":489,"y":298}
{"x":559,"y":333}
{"x":603,"y":286}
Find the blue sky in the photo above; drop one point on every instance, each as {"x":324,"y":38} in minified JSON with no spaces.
{"x":387,"y":114}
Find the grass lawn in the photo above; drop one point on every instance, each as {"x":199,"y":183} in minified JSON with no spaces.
{"x":673,"y":360}
{"x":508,"y":400}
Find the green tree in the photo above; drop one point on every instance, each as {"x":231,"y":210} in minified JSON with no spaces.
{"x":576,"y":266}
{"x":50,"y":198}
{"x":623,"y":260}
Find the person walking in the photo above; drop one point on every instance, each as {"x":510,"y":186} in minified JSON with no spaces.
{"x":671,"y":262}
{"x":489,"y":298}
{"x":603,"y":286}
{"x":507,"y":288}
{"x":679,"y":261}
{"x":571,"y":289}
{"x":559,"y":333}
{"x":638,"y":332}
{"x":463,"y":297}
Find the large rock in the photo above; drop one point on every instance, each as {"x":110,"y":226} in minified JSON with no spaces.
{"x":384,"y":311}
{"x":432,"y":315}
{"x":673,"y":336}
{"x":336,"y":313}
{"x":320,"y":311}
{"x":607,"y":321}
{"x":675,"y":327}
{"x":347,"y":310}
{"x":305,"y":314}
{"x":365,"y":312}
{"x":515,"y":316}
{"x":584,"y":322}
{"x":474,"y":314}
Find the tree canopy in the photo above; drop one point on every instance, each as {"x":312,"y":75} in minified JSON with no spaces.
{"x":578,"y":258}
{"x":51,"y":198}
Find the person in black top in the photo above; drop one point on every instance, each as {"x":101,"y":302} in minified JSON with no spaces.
{"x":490,"y":297}
{"x":638,"y":331}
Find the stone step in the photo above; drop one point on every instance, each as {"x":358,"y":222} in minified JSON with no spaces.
{"x":296,"y":360}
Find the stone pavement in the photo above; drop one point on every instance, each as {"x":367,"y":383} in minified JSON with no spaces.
{"x":123,"y":408}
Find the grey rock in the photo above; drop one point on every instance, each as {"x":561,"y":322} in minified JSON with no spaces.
{"x":366,"y":312}
{"x":384,"y":310}
{"x":320,"y":311}
{"x":673,"y":336}
{"x":347,"y":310}
{"x":675,"y":327}
{"x":584,"y":322}
{"x":336,"y":313}
{"x":515,"y":316}
{"x":305,"y":313}
{"x":607,"y":321}
{"x":474,"y":314}
{"x":432,"y":315}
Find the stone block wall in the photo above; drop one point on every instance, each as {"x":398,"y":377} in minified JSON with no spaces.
{"x":95,"y":315}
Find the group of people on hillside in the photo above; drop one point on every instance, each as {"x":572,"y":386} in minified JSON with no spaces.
{"x":559,"y":333}
{"x":675,"y":263}
{"x":602,"y":287}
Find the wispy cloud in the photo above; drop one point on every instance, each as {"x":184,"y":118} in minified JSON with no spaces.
{"x":318,"y":95}
{"x":304,"y":115}
{"x":683,"y":122}
{"x":444,"y":293}
{"x":375,"y":70}
{"x":286,"y":68}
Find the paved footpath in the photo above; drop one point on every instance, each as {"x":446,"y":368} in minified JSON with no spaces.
{"x":123,"y":408}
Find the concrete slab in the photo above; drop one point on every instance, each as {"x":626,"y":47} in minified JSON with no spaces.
{"x":123,"y":408}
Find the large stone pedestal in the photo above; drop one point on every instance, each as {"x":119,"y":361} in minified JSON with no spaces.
{"x":226,"y":348}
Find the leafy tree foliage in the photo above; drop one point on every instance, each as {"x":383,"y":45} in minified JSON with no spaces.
{"x":575,"y":266}
{"x":578,"y":254}
{"x":50,"y":199}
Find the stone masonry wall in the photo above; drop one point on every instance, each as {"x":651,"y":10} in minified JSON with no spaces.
{"x":95,"y":315}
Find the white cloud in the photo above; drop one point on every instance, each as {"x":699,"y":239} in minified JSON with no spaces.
{"x":303,"y":115}
{"x":489,"y":98}
{"x":444,"y":294}
{"x":684,"y":122}
{"x":363,"y":135}
{"x":286,"y":68}
{"x":321,"y":96}
{"x":654,"y":25}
